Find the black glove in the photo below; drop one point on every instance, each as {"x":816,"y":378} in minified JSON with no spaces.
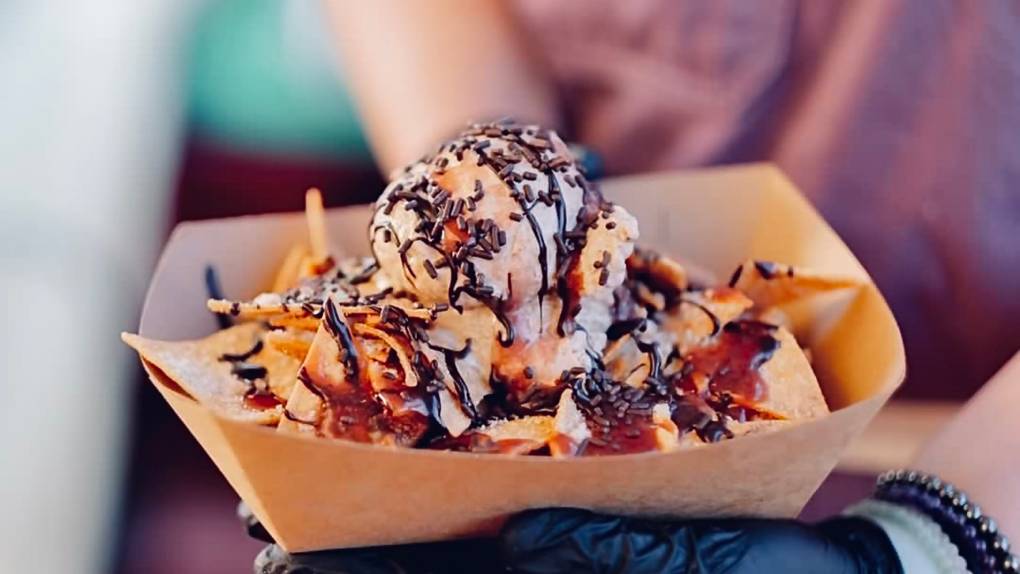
{"x":459,"y":557}
{"x":566,"y":540}
{"x":540,"y":542}
{"x":455,"y":557}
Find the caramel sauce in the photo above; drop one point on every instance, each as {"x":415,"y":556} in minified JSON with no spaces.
{"x":323,"y":266}
{"x":261,"y":401}
{"x":619,"y":417}
{"x":352,"y":413}
{"x":453,"y":236}
{"x":625,"y":436}
{"x":729,"y":366}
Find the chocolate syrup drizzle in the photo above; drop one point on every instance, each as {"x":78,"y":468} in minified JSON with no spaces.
{"x":236,"y":357}
{"x":342,"y":335}
{"x":214,"y":290}
{"x":258,"y":395}
{"x":716,"y":324}
{"x":463,"y":393}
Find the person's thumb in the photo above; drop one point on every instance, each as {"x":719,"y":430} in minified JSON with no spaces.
{"x":568,"y":540}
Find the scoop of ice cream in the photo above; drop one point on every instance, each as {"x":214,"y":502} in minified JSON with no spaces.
{"x":491,"y":216}
{"x":502,"y":217}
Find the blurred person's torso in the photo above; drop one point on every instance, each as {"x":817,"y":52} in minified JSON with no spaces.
{"x":900,"y":119}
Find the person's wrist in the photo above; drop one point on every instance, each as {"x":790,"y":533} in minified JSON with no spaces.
{"x":974,"y":534}
{"x":919,"y":541}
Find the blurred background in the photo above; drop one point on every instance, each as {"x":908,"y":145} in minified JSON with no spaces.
{"x":119,"y":118}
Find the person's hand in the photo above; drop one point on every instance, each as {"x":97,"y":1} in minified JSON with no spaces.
{"x":458,"y":557}
{"x":568,"y":540}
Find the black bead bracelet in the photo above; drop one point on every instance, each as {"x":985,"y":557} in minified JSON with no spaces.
{"x":975,"y":535}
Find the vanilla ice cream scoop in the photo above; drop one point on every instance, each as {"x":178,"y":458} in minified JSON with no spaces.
{"x":502,"y":217}
{"x":496,"y":207}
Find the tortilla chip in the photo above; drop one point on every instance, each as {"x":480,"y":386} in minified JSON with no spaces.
{"x":666,"y":432}
{"x":776,"y":316}
{"x":370,"y":404}
{"x":197,"y":367}
{"x":519,"y":436}
{"x":292,"y":342}
{"x":401,"y":349}
{"x":769,"y":284}
{"x":625,"y":360}
{"x":537,"y":428}
{"x":245,"y":310}
{"x":699,"y":315}
{"x":281,"y":312}
{"x":476,"y":328}
{"x":793,"y":391}
{"x":303,"y":411}
{"x":752,"y":371}
{"x":295,"y":324}
{"x":658,"y":271}
{"x":570,"y":427}
{"x":451,"y":414}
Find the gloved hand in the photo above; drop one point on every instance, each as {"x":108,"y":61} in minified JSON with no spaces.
{"x":567,"y":540}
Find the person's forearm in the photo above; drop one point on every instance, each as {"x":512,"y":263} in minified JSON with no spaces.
{"x":418,"y":71}
{"x":979,"y":451}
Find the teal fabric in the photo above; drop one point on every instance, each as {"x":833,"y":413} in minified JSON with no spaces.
{"x":262,"y":78}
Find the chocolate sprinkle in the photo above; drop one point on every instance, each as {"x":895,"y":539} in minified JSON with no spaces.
{"x":736,"y":276}
{"x":430,"y":269}
{"x":767,"y":269}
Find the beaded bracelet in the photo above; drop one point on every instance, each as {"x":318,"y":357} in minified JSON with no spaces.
{"x":985,"y":549}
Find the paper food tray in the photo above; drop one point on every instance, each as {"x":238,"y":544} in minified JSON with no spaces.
{"x":314,"y":493}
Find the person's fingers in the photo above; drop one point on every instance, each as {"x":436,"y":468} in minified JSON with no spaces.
{"x":570,"y":540}
{"x":738,"y":546}
{"x":251,"y":524}
{"x":456,"y":557}
{"x":567,"y":540}
{"x":275,"y":560}
{"x":866,"y":540}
